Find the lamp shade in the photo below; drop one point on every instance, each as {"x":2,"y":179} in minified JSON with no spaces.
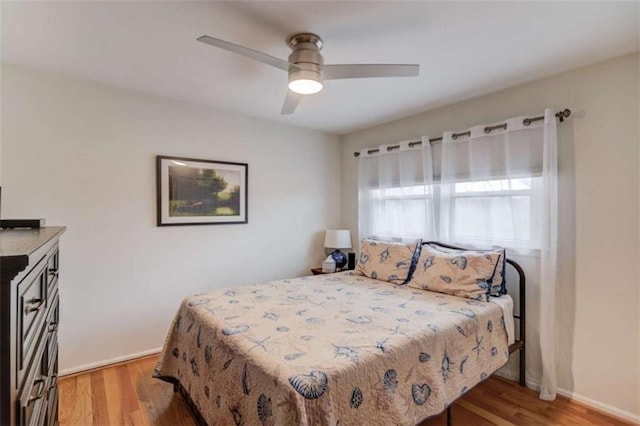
{"x":337,"y":238}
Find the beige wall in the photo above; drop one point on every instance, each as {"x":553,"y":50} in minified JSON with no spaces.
{"x":599,"y":237}
{"x":82,"y":154}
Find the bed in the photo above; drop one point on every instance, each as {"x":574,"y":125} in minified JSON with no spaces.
{"x":333,"y":349}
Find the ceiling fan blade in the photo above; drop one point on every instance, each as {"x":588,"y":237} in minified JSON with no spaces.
{"x":334,"y":72}
{"x":290,"y":102}
{"x":245,"y":51}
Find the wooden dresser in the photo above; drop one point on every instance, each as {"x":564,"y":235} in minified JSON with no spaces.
{"x":29,"y":262}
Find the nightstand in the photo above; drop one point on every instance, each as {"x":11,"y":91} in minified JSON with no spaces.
{"x":318,"y":271}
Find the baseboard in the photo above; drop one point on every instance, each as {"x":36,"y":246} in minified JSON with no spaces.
{"x":106,"y":362}
{"x":600,"y":406}
{"x":588,"y":402}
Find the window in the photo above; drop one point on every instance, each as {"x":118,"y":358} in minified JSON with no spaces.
{"x":488,"y":212}
{"x":481,"y":188}
{"x":496,"y":212}
{"x":402,"y":212}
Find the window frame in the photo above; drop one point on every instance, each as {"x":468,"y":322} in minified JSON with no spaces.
{"x":432,"y":196}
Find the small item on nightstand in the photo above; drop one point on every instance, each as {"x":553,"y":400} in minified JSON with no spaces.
{"x":351,"y":264}
{"x":329,"y":265}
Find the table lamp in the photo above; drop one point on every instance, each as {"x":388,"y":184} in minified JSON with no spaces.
{"x":337,"y":239}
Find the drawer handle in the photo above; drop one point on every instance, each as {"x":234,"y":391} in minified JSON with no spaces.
{"x":34,"y":305}
{"x":54,"y":381}
{"x":53,"y":271}
{"x":53,"y":326}
{"x":39,"y":382}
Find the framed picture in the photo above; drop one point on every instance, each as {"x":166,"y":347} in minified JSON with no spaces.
{"x":200,"y":192}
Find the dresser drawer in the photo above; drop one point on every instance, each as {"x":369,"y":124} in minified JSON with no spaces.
{"x":52,"y":410}
{"x":50,"y":338}
{"x":33,"y":399}
{"x":52,"y":391}
{"x":32,"y":304}
{"x":53,"y":264}
{"x":48,"y":368}
{"x":52,"y":329}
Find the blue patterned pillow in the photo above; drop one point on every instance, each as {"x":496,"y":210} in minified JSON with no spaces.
{"x":497,"y":283}
{"x":459,"y":273}
{"x":387,"y":261}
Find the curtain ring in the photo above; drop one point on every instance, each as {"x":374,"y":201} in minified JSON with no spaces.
{"x":490,"y":129}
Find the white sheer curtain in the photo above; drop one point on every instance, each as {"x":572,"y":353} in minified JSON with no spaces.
{"x":494,"y":186}
{"x":549,"y":256}
{"x":395,"y":196}
{"x":500,"y":188}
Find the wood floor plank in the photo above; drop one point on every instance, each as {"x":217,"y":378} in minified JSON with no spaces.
{"x":128,"y":397}
{"x":66,"y":392}
{"x":153,"y":396}
{"x":502,"y":407}
{"x":112,"y":389}
{"x":127,"y":394}
{"x":176,"y":412}
{"x":83,"y":412}
{"x":488,"y":415}
{"x":100,"y":411}
{"x":459,"y":416}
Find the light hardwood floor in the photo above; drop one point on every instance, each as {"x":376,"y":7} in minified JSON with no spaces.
{"x":126,"y":394}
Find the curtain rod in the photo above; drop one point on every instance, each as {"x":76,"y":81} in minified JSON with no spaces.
{"x":527,"y":121}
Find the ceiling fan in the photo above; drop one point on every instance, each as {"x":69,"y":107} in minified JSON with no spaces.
{"x":306,"y":66}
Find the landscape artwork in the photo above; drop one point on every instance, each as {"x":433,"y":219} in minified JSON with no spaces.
{"x":198,"y":192}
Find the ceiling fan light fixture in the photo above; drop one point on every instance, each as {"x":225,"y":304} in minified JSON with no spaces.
{"x":305,"y":81}
{"x":305,"y":86}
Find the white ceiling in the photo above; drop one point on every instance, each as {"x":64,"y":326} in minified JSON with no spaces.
{"x":464,"y":49}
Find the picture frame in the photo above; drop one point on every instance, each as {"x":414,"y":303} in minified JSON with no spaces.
{"x":194,"y":191}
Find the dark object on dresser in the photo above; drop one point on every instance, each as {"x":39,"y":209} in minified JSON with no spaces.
{"x":22,"y":223}
{"x":29,"y":313}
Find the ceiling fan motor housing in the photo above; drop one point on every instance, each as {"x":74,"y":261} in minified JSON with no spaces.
{"x":306,"y":56}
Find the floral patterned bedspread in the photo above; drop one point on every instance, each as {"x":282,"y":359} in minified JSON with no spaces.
{"x":338,"y":348}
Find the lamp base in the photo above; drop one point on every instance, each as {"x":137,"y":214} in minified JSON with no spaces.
{"x":340,"y":258}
